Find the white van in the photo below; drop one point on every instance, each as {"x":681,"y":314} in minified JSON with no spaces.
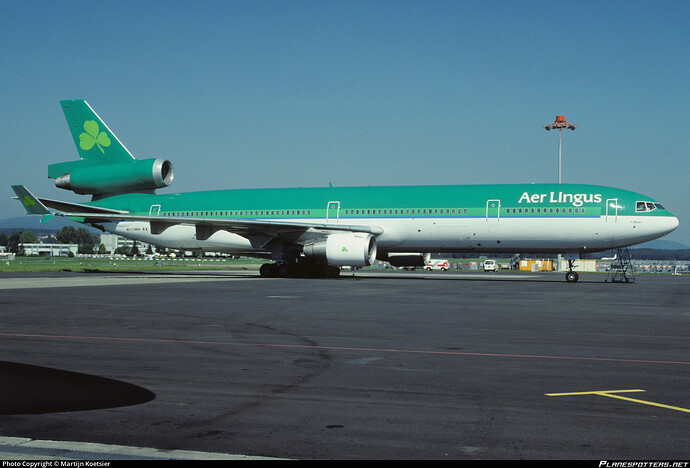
{"x":490,"y":265}
{"x":442,"y":265}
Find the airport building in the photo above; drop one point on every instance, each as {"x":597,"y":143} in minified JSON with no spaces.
{"x":112,"y":242}
{"x":51,"y":250}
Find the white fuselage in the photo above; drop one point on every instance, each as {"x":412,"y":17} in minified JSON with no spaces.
{"x":557,"y":235}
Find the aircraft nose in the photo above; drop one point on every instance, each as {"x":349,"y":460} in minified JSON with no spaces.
{"x":670,"y":224}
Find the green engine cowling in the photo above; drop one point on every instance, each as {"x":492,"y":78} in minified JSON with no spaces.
{"x":105,"y":179}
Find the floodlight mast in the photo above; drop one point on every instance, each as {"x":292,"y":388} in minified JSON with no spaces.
{"x":559,"y":124}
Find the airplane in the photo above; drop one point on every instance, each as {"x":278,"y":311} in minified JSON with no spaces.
{"x":315,"y":231}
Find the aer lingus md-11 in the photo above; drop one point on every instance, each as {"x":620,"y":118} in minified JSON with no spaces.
{"x":314,"y":231}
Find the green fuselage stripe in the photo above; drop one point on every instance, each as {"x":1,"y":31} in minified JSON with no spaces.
{"x":469,"y":201}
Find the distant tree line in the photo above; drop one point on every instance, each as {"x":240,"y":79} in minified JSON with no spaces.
{"x":12,"y":241}
{"x":87,"y":242}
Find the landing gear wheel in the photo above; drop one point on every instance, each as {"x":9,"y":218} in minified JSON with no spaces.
{"x":268,"y":270}
{"x":572,"y":277}
{"x":284,"y":270}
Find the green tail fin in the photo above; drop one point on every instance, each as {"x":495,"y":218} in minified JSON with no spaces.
{"x":93,"y":138}
{"x":96,"y":144}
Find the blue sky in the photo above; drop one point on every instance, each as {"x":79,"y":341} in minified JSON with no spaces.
{"x":244,"y":94}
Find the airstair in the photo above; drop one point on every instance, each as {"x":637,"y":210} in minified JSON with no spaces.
{"x":621,"y":270}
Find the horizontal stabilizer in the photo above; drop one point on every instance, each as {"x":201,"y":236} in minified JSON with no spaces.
{"x":32,"y":205}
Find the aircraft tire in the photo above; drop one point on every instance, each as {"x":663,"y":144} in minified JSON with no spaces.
{"x":572,"y":277}
{"x":268,"y":270}
{"x":284,"y":270}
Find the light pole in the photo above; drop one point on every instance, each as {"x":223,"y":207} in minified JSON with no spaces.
{"x":559,"y":124}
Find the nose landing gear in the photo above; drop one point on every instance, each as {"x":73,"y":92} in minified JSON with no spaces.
{"x":571,"y":276}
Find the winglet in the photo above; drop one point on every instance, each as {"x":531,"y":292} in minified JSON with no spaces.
{"x":32,"y":204}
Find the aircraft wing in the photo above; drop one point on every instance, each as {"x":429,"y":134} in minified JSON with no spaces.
{"x":259,"y":232}
{"x":35,"y":205}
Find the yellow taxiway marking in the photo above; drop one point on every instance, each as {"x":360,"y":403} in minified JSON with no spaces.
{"x":614,"y":394}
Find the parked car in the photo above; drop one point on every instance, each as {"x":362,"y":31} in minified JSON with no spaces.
{"x":490,"y":265}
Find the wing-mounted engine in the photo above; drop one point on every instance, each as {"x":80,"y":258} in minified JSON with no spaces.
{"x":344,"y":249}
{"x":120,"y":177}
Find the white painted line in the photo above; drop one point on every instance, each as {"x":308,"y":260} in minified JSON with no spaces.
{"x":20,"y":448}
{"x":98,"y":280}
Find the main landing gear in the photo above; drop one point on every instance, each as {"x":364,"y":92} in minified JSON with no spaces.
{"x":298,"y":270}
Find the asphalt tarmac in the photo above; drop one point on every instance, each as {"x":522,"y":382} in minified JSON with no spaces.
{"x":371,"y":366}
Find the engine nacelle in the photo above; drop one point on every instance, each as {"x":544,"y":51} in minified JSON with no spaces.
{"x":344,"y":249}
{"x":123,"y":177}
{"x":408,"y":259}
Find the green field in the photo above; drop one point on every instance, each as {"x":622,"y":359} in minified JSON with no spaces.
{"x":39,"y":264}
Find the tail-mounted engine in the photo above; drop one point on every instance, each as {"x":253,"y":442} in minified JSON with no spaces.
{"x":123,"y":177}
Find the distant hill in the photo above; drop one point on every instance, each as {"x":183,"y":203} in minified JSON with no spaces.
{"x":33,"y":223}
{"x":660,"y":244}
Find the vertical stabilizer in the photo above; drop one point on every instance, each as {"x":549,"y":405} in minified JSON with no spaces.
{"x":92,"y":137}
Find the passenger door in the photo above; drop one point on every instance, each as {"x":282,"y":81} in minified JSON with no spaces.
{"x":333,"y":212}
{"x":493,"y":211}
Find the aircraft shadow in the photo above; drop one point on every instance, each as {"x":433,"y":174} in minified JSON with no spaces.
{"x":461,"y":277}
{"x":28,"y":389}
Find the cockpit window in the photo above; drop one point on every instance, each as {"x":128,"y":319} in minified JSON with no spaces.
{"x":642,"y":207}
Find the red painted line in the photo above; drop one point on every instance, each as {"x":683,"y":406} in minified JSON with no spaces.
{"x":340,"y":348}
